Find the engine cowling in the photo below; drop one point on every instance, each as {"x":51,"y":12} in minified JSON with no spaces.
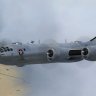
{"x":62,"y":54}
{"x":89,"y":53}
{"x":56,"y":53}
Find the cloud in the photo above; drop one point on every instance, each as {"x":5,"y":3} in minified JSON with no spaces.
{"x":60,"y":19}
{"x":32,"y":19}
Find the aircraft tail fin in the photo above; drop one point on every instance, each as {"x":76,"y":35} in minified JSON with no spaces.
{"x":93,"y":39}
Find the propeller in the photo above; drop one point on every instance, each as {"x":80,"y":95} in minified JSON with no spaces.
{"x":84,"y":52}
{"x":84,"y":63}
{"x":51,"y":44}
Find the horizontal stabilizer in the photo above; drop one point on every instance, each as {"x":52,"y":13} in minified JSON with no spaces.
{"x":93,"y":39}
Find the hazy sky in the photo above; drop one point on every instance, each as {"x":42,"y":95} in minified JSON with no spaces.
{"x":52,"y":19}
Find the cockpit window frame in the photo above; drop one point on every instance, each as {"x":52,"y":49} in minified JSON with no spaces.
{"x":5,"y":49}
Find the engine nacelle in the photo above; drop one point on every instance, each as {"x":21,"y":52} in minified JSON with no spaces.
{"x":89,"y":53}
{"x":57,"y":54}
{"x":51,"y":54}
{"x":61,"y":54}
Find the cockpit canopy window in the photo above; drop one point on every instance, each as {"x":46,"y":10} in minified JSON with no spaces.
{"x":11,"y":49}
{"x":5,"y":49}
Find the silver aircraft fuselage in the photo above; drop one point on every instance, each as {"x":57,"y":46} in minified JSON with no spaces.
{"x":22,"y":54}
